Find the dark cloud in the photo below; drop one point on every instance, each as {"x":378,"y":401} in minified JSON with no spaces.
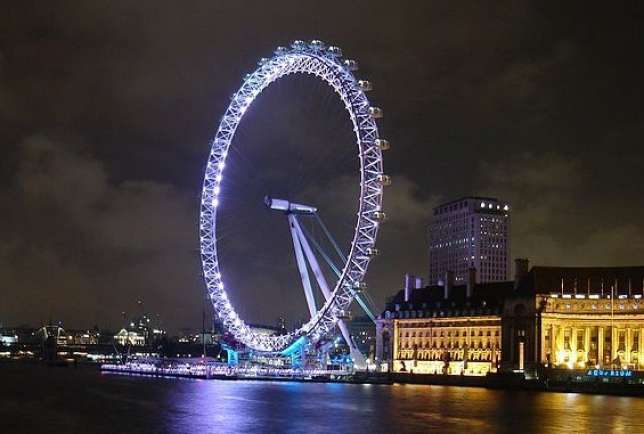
{"x":107,"y":109}
{"x":559,"y":217}
{"x":79,"y":246}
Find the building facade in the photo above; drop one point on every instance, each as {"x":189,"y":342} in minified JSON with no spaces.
{"x":576,"y":318}
{"x":468,"y":345}
{"x":8,"y":338}
{"x":127,"y":337}
{"x":473,"y":232}
{"x":454,"y":330}
{"x":550,"y":317}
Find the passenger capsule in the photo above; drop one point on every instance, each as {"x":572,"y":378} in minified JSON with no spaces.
{"x":336,"y":51}
{"x":262,"y":61}
{"x":372,"y":251}
{"x":360,"y":286}
{"x":380,"y":216}
{"x":376,"y":112}
{"x":343,"y":315}
{"x":352,"y":65}
{"x":281,"y":50}
{"x":317,"y":44}
{"x":384,"y":180}
{"x":298,"y":44}
{"x":365,"y":85}
{"x":382,"y":144}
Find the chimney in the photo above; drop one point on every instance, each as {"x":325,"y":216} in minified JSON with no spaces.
{"x":449,"y":283}
{"x":409,"y":285}
{"x":418,"y":283}
{"x":471,"y":281}
{"x":521,"y":268}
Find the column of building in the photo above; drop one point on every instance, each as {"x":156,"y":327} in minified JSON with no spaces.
{"x":561,"y":340}
{"x":573,"y":345}
{"x":544,"y":331}
{"x":600,"y":346}
{"x":640,"y":348}
{"x":396,"y":348}
{"x":628,"y":344}
{"x":553,"y":345}
{"x":586,"y":344}
{"x":614,"y":339}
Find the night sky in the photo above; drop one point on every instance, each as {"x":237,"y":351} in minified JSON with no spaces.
{"x":107,"y":110}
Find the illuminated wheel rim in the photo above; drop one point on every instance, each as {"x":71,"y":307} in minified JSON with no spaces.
{"x":326,"y":64}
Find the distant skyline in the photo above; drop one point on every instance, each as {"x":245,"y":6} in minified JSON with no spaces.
{"x":107,"y":111}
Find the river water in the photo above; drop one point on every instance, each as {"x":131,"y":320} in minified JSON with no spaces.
{"x":35,"y":399}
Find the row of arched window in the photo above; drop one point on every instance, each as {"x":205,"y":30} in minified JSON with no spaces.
{"x":487,"y":356}
{"x":448,"y":333}
{"x":448,"y":344}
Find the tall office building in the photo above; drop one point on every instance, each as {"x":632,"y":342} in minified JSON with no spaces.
{"x":470,"y":233}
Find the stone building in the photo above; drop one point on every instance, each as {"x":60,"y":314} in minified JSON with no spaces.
{"x":449,"y":329}
{"x":575,"y":317}
{"x":549,"y":317}
{"x":129,"y":337}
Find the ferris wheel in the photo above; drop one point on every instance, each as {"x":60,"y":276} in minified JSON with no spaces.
{"x":327,"y":64}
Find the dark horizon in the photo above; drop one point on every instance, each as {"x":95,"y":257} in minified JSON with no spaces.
{"x":107,"y":112}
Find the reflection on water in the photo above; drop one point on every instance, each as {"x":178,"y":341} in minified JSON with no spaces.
{"x":36,"y":400}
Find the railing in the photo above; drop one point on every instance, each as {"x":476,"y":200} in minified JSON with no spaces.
{"x":209,"y":370}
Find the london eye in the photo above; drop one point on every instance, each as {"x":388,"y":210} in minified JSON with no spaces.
{"x":327,"y":64}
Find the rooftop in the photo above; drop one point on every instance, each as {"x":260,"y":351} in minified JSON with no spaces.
{"x":477,"y":198}
{"x":591,"y":280}
{"x":487,"y":205}
{"x":487,"y":299}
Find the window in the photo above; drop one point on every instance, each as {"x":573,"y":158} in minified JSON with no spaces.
{"x":580,"y":340}
{"x":636,"y":341}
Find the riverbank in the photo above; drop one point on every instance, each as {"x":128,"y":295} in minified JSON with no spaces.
{"x":553,"y":381}
{"x":549,"y":381}
{"x":219,"y":371}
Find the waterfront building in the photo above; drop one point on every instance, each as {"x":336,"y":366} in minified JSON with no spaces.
{"x":82,"y":337}
{"x":575,"y":317}
{"x":8,"y":338}
{"x":472,"y":232}
{"x":55,"y":334}
{"x":443,"y":329}
{"x":66,"y":337}
{"x":129,"y":337}
{"x":549,"y":317}
{"x":199,"y":337}
{"x":146,"y":326}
